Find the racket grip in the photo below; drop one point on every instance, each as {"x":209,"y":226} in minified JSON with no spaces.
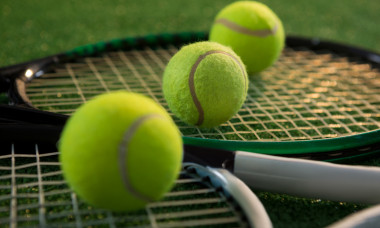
{"x":312,"y":179}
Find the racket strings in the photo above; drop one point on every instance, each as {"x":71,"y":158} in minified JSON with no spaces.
{"x":34,"y":193}
{"x":302,"y":101}
{"x":306,"y":95}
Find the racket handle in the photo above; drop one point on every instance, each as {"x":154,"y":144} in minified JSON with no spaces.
{"x":305,"y":178}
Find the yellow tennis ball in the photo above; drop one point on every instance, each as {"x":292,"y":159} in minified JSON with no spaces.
{"x":120,"y":151}
{"x":252,"y":30}
{"x":205,"y":84}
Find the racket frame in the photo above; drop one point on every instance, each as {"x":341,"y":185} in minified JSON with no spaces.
{"x":13,"y":79}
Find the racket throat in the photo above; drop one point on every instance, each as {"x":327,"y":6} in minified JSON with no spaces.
{"x":216,"y":158}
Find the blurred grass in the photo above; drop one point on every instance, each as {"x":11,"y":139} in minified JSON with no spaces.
{"x":32,"y":29}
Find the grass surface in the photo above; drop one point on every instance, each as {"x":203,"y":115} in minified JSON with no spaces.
{"x":32,"y":29}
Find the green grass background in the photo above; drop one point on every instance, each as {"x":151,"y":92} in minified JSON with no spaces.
{"x":32,"y":29}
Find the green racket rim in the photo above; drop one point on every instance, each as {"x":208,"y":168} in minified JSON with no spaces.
{"x":363,"y":142}
{"x":293,"y":147}
{"x":128,"y":43}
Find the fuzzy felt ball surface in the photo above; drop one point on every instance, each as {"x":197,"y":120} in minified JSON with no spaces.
{"x":205,"y":84}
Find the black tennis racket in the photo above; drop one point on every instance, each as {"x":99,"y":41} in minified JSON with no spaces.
{"x":319,"y":100}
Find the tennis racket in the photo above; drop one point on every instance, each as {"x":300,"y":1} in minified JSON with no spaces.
{"x":34,"y":193}
{"x":318,"y":101}
{"x":364,"y":219}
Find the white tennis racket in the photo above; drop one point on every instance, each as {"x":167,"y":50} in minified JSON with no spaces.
{"x":36,"y":194}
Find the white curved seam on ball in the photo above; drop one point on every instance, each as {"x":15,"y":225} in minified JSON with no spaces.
{"x":123,"y":156}
{"x":192,"y":84}
{"x":240,"y":29}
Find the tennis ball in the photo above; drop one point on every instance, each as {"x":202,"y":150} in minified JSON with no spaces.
{"x":252,"y":30}
{"x":205,"y":84}
{"x":120,"y":151}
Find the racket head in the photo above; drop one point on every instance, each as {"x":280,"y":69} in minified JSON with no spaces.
{"x":34,"y":193}
{"x":318,"y":98}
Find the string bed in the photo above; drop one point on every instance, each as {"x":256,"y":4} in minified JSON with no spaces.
{"x":34,"y":193}
{"x":306,"y":95}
